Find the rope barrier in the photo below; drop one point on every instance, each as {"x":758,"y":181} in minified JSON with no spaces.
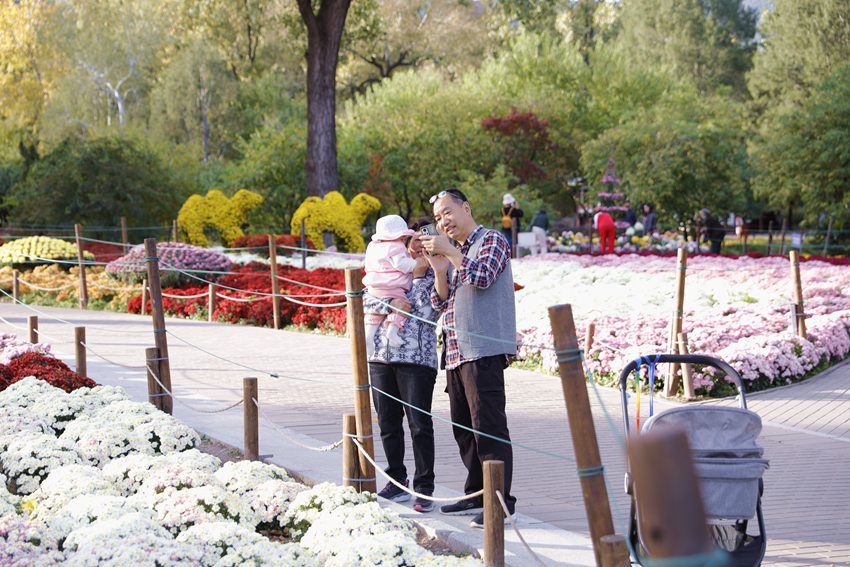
{"x":510,"y":517}
{"x":37,"y":288}
{"x":428,"y":497}
{"x":180,"y":401}
{"x":177,"y":296}
{"x":100,"y":356}
{"x":322,"y":449}
{"x":38,"y":331}
{"x":239,"y":299}
{"x":101,"y":286}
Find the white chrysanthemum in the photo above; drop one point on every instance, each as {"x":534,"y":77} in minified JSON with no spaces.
{"x":334,"y":528}
{"x":8,"y":502}
{"x":387,"y":550}
{"x":242,"y":476}
{"x":449,"y":561}
{"x":85,"y":509}
{"x":123,"y":428}
{"x":24,"y":393}
{"x":57,"y":409}
{"x":132,"y":539}
{"x":174,"y":476}
{"x":226,"y":544}
{"x":30,"y":458}
{"x":308,"y":505}
{"x":24,"y":543}
{"x":128,"y":473}
{"x":99,"y":396}
{"x":270,"y":500}
{"x":65,"y":483}
{"x":17,"y":421}
{"x":178,"y":510}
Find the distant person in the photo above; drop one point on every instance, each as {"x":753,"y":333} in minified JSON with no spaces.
{"x":540,"y":227}
{"x":712,"y":230}
{"x":511,"y":213}
{"x":604,"y":224}
{"x":648,"y":219}
{"x":389,"y":274}
{"x":631,"y":214}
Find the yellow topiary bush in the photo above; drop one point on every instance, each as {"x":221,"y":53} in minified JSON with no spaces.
{"x":32,"y":249}
{"x":217,"y":211}
{"x":334,"y":215}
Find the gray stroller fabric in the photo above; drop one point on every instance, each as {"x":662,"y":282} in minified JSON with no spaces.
{"x":727,"y":456}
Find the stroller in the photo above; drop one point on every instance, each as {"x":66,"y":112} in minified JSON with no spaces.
{"x":727,"y":459}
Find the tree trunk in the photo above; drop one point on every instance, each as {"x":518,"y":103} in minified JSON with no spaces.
{"x":324,"y":31}
{"x":205,"y":127}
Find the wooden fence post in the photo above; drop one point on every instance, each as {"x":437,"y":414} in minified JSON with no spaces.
{"x":770,"y":238}
{"x":84,"y":292}
{"x":494,"y":516}
{"x":687,"y":375}
{"x":275,"y":283}
{"x":582,"y":429}
{"x":828,"y":234}
{"x":610,"y":546}
{"x":211,"y":303}
{"x":362,"y":403}
{"x":158,"y":319}
{"x":350,"y":454}
{"x":671,"y":385}
{"x":144,"y":295}
{"x":303,"y":245}
{"x":671,"y":511}
{"x":32,"y":328}
{"x":16,"y":286}
{"x":175,"y":235}
{"x":782,"y":236}
{"x":80,"y":350}
{"x":124,"y":239}
{"x":155,"y":393}
{"x":514,"y":246}
{"x":588,"y":339}
{"x":251,"y":419}
{"x":794,"y":257}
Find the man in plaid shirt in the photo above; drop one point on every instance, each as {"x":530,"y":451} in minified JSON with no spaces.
{"x":475,"y":290}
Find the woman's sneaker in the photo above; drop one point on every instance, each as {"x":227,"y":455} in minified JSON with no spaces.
{"x":393,"y":493}
{"x":466,"y":507}
{"x":423,"y":506}
{"x":478,"y":520}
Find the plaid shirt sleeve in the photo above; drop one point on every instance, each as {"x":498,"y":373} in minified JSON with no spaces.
{"x":492,"y":258}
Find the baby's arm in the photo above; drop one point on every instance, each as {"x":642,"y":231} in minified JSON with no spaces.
{"x":402,"y":261}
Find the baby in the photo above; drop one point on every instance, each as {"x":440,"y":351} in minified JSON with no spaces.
{"x":389,"y":275}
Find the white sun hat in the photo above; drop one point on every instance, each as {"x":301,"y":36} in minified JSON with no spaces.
{"x":508,"y":199}
{"x":391,"y":227}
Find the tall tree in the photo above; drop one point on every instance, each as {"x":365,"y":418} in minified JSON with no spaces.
{"x":710,"y":41}
{"x":324,"y":33}
{"x":803,"y":43}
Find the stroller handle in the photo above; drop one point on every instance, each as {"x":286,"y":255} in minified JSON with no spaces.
{"x":684,"y":359}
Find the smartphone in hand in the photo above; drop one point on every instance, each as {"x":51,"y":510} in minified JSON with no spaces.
{"x":429,"y":229}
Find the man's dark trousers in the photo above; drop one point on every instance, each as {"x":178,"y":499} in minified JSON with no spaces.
{"x":415,"y":385}
{"x":477,"y":399}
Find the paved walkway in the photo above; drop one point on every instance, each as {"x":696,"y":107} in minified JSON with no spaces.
{"x":805,"y":436}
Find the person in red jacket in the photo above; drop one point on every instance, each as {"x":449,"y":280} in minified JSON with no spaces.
{"x":604,"y":224}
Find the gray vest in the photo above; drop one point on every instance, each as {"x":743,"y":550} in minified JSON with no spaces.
{"x":489,"y":312}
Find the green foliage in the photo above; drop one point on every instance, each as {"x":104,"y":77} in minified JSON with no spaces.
{"x":709,"y":41}
{"x":804,"y":42}
{"x":803,"y":155}
{"x":684,"y":154}
{"x":95,"y":182}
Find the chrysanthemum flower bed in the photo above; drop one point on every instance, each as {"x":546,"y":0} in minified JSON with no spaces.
{"x":735,"y":309}
{"x":92,"y":478}
{"x":176,"y":261}
{"x":256,"y":277}
{"x":19,"y":359}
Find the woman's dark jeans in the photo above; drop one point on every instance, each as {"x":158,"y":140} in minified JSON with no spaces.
{"x":415,"y":385}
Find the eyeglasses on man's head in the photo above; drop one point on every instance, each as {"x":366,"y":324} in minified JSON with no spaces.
{"x":456,"y":193}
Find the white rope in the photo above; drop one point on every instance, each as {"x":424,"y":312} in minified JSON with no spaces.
{"x":195,"y":296}
{"x":7,"y":281}
{"x":100,"y":356}
{"x":38,"y":331}
{"x":35,"y":287}
{"x":305,"y":284}
{"x":510,"y":517}
{"x":404,"y":488}
{"x":178,"y":400}
{"x":318,"y":305}
{"x":241,"y":299}
{"x":323,"y":449}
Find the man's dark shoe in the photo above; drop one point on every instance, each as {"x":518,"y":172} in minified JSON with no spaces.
{"x":478,"y":520}
{"x":423,"y":506}
{"x":467,"y":507}
{"x":393,"y":493}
